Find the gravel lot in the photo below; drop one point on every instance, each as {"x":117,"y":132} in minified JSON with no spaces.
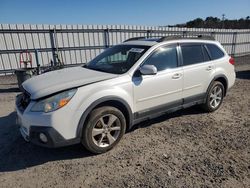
{"x":188,"y":148}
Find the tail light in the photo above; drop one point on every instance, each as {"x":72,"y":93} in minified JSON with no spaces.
{"x":231,"y":61}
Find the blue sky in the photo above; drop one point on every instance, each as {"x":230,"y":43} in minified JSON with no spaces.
{"x":128,"y":12}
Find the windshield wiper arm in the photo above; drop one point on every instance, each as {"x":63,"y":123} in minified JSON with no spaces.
{"x":94,"y":68}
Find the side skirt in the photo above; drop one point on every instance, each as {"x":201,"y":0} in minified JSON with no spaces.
{"x":168,"y":108}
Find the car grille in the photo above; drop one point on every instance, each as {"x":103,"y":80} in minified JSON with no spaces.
{"x":23,"y":101}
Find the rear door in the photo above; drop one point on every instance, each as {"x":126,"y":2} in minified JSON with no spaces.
{"x":197,"y":70}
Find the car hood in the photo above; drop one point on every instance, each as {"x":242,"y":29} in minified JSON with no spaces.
{"x":55,"y":81}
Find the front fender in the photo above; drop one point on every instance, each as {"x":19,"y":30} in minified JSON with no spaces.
{"x":99,"y":94}
{"x":98,"y":102}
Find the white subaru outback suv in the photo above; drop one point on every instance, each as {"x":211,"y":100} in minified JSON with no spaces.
{"x":131,"y":82}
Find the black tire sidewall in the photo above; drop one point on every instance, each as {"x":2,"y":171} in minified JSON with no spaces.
{"x":89,"y":125}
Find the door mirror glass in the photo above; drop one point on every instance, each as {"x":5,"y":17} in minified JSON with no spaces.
{"x":148,"y":70}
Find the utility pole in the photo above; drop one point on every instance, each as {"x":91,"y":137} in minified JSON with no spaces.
{"x":223,"y":21}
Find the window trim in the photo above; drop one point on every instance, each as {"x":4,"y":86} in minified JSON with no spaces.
{"x":204,"y":50}
{"x":209,"y":54}
{"x":175,"y":45}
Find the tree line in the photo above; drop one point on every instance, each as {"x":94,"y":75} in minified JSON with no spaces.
{"x":214,"y":22}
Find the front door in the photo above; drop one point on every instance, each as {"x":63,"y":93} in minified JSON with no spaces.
{"x":163,"y":90}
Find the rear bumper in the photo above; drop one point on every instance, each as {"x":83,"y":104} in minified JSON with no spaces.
{"x":54,"y":139}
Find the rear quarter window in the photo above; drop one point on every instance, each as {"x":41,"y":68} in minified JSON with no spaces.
{"x":215,"y":51}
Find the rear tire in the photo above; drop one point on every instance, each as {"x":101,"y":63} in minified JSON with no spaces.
{"x":104,"y":129}
{"x":214,"y":97}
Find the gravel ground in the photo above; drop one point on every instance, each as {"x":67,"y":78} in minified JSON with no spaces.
{"x":188,"y":148}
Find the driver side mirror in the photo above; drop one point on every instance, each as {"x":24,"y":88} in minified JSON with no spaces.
{"x":148,"y":70}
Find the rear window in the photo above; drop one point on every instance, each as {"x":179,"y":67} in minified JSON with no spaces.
{"x":214,"y":51}
{"x":192,"y":54}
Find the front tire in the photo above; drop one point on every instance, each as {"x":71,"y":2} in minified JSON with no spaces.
{"x":215,"y":97}
{"x":103,"y":129}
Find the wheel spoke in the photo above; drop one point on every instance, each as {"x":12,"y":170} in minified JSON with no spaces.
{"x":115,"y":128}
{"x":218,"y":98}
{"x":217,"y":89}
{"x":96,"y":131}
{"x":112,"y":119}
{"x":111,"y":139}
{"x":214,"y":90}
{"x":215,"y":103}
{"x":101,"y":139}
{"x":102,"y":122}
{"x":211,"y":102}
{"x":219,"y":92}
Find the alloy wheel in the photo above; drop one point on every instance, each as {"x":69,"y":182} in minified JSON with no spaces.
{"x":106,"y":130}
{"x":216,"y":97}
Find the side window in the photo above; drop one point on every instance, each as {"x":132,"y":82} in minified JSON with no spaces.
{"x":163,"y":58}
{"x":215,"y":52}
{"x":192,"y":54}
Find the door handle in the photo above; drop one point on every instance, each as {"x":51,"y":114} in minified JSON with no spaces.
{"x":209,"y":68}
{"x":176,"y":75}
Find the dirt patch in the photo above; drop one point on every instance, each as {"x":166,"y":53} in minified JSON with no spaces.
{"x":187,"y":148}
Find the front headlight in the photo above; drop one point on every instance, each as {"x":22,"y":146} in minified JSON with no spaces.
{"x":54,"y":102}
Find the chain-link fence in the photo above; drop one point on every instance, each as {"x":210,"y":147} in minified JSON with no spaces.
{"x":75,"y":44}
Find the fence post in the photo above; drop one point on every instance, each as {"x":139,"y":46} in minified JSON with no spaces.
{"x":106,"y":38}
{"x":53,"y":48}
{"x":148,"y":33}
{"x":37,"y":62}
{"x":212,"y":34}
{"x":184,"y":34}
{"x":234,"y":44}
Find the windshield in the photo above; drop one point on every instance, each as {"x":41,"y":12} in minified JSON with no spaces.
{"x":118,"y":59}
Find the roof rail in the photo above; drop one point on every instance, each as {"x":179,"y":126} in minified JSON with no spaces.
{"x":145,"y":37}
{"x":134,"y":38}
{"x":173,"y":37}
{"x":176,"y":37}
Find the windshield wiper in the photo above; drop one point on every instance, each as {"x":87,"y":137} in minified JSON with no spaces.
{"x":94,"y":68}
